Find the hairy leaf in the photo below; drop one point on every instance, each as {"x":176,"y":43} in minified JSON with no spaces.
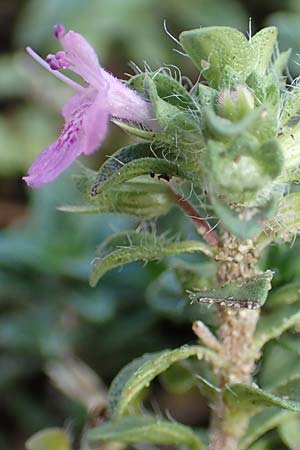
{"x":129,"y":246}
{"x":131,"y":162}
{"x":263,"y":422}
{"x":250,"y":294}
{"x":212,"y":48}
{"x":140,"y":372}
{"x":289,"y":432}
{"x":262,"y":44}
{"x":147,"y":429}
{"x":245,"y":397}
{"x":167,"y":88}
{"x":276,"y":322}
{"x":247,"y":222}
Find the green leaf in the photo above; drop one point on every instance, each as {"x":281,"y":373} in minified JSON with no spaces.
{"x":291,"y":105}
{"x":129,"y":246}
{"x":178,"y":126}
{"x":178,"y":379}
{"x":220,"y":127}
{"x":145,"y":430}
{"x":262,"y":44}
{"x":49,"y":439}
{"x":276,"y":322}
{"x":142,"y":197}
{"x":131,"y":162}
{"x":241,"y":169}
{"x":245,"y":397}
{"x":135,"y":131}
{"x":286,"y":222}
{"x":140,"y":372}
{"x":167,"y":88}
{"x":290,"y":143}
{"x":263,"y":422}
{"x":289,"y":432}
{"x":284,"y":295}
{"x":213,"y":48}
{"x":246,"y":222}
{"x":251,"y":294}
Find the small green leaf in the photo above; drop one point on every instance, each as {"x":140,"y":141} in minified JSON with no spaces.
{"x":138,"y":132}
{"x":167,"y":88}
{"x":276,"y":322}
{"x":245,"y":397}
{"x":285,"y":295}
{"x":142,"y":197}
{"x":291,"y":105}
{"x":263,"y":44}
{"x":131,"y":162}
{"x":49,"y":439}
{"x":220,"y":127}
{"x":251,"y":294}
{"x":140,"y":372}
{"x":139,"y":429}
{"x":286,"y":222}
{"x":263,"y":422}
{"x":246,"y":222}
{"x":178,"y":126}
{"x":241,"y":169}
{"x":290,"y":143}
{"x":129,"y":246}
{"x":289,"y":432}
{"x":213,"y":48}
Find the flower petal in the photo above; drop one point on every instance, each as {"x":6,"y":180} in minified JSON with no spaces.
{"x":83,"y":58}
{"x":95,"y":124}
{"x":73,"y":141}
{"x":125,"y":103}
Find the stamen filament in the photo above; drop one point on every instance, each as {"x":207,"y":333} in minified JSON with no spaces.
{"x":57,"y":74}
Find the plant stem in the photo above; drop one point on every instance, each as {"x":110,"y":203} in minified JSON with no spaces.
{"x":202,"y":226}
{"x":236,"y":262}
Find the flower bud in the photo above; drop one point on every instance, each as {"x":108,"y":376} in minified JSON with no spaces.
{"x":234,"y":104}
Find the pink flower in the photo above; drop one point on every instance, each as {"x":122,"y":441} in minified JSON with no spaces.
{"x":87,"y":113}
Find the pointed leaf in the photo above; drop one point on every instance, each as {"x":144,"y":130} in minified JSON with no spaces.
{"x":247,"y":222}
{"x":284,"y":295}
{"x":131,"y":162}
{"x":263,"y":44}
{"x":289,"y":432}
{"x":245,"y":397}
{"x":129,"y":246}
{"x":276,"y":322}
{"x":147,"y":429}
{"x":140,"y":372}
{"x":286,"y":222}
{"x":167,"y":88}
{"x":263,"y":422}
{"x":291,"y":105}
{"x":143,"y":197}
{"x":213,"y":48}
{"x":49,"y":439}
{"x":251,"y":294}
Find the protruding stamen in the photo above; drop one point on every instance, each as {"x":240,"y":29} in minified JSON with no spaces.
{"x":58,"y":61}
{"x":59,"y":30}
{"x":58,"y":75}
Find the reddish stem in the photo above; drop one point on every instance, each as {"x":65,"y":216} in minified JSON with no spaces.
{"x":202,"y":226}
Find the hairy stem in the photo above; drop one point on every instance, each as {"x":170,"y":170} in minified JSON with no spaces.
{"x":202,"y":226}
{"x":236,"y":262}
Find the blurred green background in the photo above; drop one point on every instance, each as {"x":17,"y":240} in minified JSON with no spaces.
{"x":47,"y":310}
